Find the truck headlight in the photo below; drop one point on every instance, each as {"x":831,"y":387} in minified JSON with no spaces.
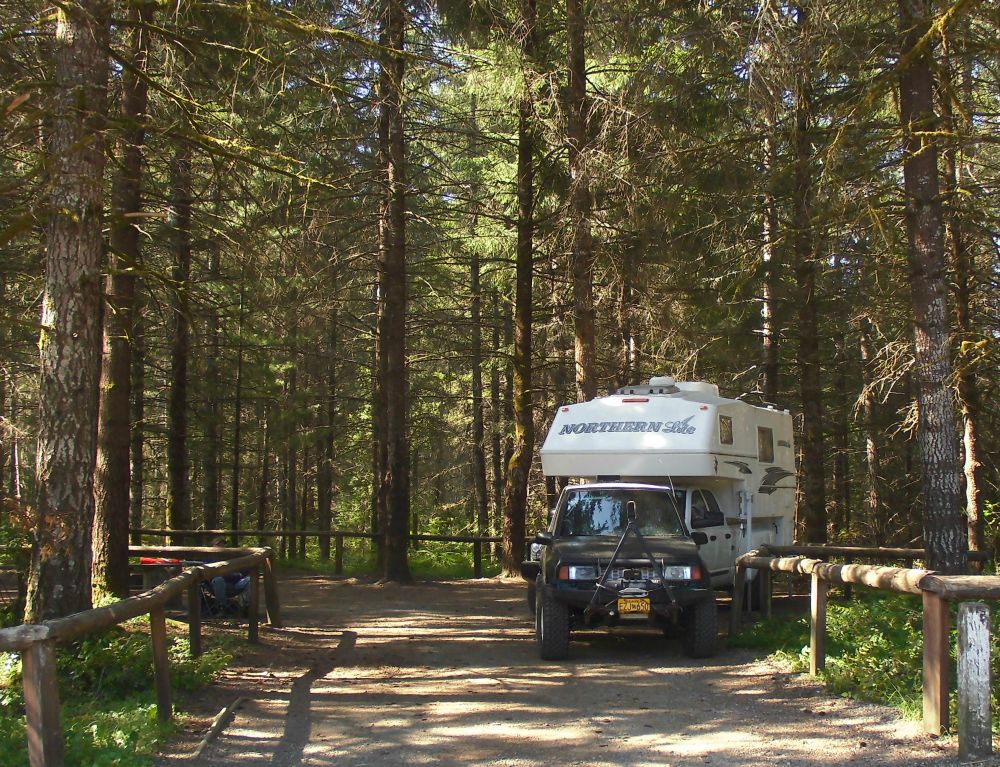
{"x":678,"y":573}
{"x":578,"y":573}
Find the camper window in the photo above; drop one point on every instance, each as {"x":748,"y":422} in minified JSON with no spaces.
{"x":765,"y":445}
{"x":725,"y":430}
{"x":705,"y":511}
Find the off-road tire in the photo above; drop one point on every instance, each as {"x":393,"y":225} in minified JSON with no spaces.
{"x":551,"y":625}
{"x":701,"y":629}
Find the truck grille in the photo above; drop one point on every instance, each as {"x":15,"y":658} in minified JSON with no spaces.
{"x":627,"y":573}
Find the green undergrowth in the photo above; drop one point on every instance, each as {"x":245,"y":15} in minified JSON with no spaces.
{"x":106,"y":690}
{"x":874,"y":648}
{"x":432,"y":561}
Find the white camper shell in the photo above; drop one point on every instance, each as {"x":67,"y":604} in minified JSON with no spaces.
{"x":735,"y":461}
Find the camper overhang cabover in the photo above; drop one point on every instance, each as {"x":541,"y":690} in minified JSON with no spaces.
{"x":736,"y":460}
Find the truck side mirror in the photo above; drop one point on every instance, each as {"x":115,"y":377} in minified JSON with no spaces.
{"x":699,"y":537}
{"x":544,"y":538}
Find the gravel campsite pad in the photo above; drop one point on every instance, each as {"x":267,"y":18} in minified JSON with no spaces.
{"x":448,"y":674}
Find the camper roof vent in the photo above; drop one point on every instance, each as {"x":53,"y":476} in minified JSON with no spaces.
{"x":657,"y":382}
{"x":657,"y":385}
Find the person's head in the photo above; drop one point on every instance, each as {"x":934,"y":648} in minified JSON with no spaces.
{"x":218,"y":542}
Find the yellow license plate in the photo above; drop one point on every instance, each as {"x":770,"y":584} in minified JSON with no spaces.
{"x":633,"y":605}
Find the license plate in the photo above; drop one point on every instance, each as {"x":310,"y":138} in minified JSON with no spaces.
{"x":633,"y":605}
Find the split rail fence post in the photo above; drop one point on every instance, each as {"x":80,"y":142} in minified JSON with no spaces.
{"x":975,"y":730}
{"x":161,"y":663}
{"x":41,"y":703}
{"x":338,"y":555}
{"x":253,"y":630}
{"x":817,"y":625}
{"x":736,"y":606}
{"x":766,"y":591}
{"x":935,"y":663}
{"x":477,"y":559}
{"x":271,"y":593}
{"x":194,"y":614}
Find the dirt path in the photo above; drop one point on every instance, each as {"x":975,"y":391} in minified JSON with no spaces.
{"x":447,"y":674}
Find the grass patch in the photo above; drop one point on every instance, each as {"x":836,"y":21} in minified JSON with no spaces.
{"x":434,"y":560}
{"x":874,"y":648}
{"x":106,"y":690}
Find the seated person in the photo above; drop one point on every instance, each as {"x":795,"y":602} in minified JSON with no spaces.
{"x":226,"y":587}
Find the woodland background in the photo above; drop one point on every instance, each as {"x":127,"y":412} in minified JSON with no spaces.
{"x":358,"y":252}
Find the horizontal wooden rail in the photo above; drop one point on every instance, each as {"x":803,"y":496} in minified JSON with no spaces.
{"x":36,"y":642}
{"x":862,"y":552}
{"x":975,"y":740}
{"x":477,"y":541}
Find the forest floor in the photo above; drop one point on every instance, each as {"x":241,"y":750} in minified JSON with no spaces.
{"x":446,"y":673}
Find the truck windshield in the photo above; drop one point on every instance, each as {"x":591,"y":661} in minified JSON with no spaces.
{"x":603,"y":512}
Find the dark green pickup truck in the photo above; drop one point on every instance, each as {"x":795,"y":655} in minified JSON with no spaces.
{"x":619,"y":553}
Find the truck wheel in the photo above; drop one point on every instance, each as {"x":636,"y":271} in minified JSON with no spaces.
{"x":551,"y":625}
{"x":701,"y":629}
{"x":531,"y":598}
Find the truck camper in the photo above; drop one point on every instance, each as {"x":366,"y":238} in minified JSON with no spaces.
{"x":730,"y":463}
{"x":672,"y":484}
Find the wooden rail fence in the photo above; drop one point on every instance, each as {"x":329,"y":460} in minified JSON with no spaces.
{"x":936,"y":591}
{"x":36,"y":642}
{"x":338,"y":536}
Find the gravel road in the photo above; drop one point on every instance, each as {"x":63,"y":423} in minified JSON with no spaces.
{"x":447,"y":674}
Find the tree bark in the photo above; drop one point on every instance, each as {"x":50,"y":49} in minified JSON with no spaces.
{"x":945,"y":532}
{"x":70,"y":338}
{"x":962,"y":263}
{"x":629,"y":363}
{"x":478,"y":452}
{"x":237,"y":472}
{"x":519,"y":465}
{"x":112,"y":481}
{"x":581,"y":205}
{"x":496,"y":418}
{"x":178,"y":480}
{"x":265,"y":471}
{"x":137,"y":419}
{"x":211,"y":493}
{"x":771,"y":285}
{"x":873,"y":458}
{"x":806,"y":272}
{"x":326,"y":447}
{"x":392,"y":331}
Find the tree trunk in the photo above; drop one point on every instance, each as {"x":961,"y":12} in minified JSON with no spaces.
{"x":15,"y":451}
{"x":237,"y":473}
{"x":211,"y":495}
{"x":137,"y":418}
{"x":179,"y":488}
{"x":962,"y":262}
{"x":771,"y":286}
{"x":112,"y":481}
{"x":581,"y":205}
{"x":519,"y":465}
{"x":945,"y":532}
{"x":873,"y":460}
{"x":292,"y":454}
{"x":392,"y":333}
{"x":70,"y":338}
{"x":496,"y":419}
{"x":264,"y":460}
{"x":810,"y":373}
{"x":326,"y":447}
{"x":478,"y":457}
{"x":628,"y":369}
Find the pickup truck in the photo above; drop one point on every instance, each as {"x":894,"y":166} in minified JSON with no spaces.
{"x":619,"y":553}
